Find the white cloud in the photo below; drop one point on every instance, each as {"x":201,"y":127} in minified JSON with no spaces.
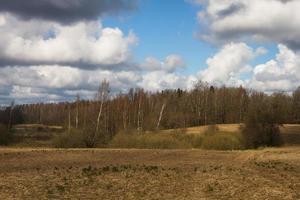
{"x":263,"y":20}
{"x":60,"y":83}
{"x":151,"y":64}
{"x":2,"y":20}
{"x":42,"y":60}
{"x":279,"y":74}
{"x":82,"y":43}
{"x":226,"y":65}
{"x":170,"y":64}
{"x":21,"y":92}
{"x":159,"y":80}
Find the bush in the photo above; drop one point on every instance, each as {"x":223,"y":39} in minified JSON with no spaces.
{"x":150,"y":141}
{"x":223,"y":141}
{"x":5,"y":135}
{"x":72,"y":139}
{"x":257,"y":135}
{"x":195,"y":141}
{"x":178,"y":139}
{"x":262,"y":122}
{"x":211,"y":130}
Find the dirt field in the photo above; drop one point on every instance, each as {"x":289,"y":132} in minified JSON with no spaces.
{"x":149,"y":174}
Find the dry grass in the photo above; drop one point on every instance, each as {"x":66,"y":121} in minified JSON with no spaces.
{"x":234,"y":128}
{"x":202,"y":129}
{"x":36,"y":126}
{"x":149,"y":174}
{"x":290,"y":132}
{"x":45,"y":173}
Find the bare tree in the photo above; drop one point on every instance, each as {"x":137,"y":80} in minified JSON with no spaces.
{"x":12,"y":104}
{"x":77,"y":110}
{"x":161,"y":114}
{"x":69,"y":117}
{"x":101,"y":96}
{"x":139,"y":122}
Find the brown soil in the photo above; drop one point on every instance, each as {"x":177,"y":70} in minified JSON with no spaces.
{"x":149,"y":174}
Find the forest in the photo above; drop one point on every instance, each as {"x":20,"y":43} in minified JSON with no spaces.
{"x":138,"y":110}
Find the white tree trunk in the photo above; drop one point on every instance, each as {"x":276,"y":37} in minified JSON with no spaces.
{"x":77,"y":111}
{"x":139,"y":114}
{"x":160,"y":115}
{"x":69,"y":117}
{"x":99,"y":116}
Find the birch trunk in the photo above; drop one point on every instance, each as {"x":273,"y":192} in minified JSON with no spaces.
{"x":139,"y":114}
{"x":160,"y":115}
{"x":69,"y":119}
{"x":77,"y":111}
{"x":99,"y":116}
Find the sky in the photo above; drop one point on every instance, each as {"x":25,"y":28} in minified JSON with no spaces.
{"x":52,"y":50}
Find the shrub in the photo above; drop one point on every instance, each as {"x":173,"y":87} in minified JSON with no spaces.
{"x":178,"y":139}
{"x":71,"y":139}
{"x":5,"y":135}
{"x":211,"y":130}
{"x":257,"y":135}
{"x":262,"y":122}
{"x":149,"y":141}
{"x":195,"y":141}
{"x":223,"y":141}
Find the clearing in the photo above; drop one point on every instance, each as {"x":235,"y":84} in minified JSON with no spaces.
{"x":149,"y":174}
{"x":46,"y":173}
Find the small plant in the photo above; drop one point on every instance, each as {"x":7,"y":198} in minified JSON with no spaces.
{"x":60,"y":188}
{"x":209,"y":188}
{"x":211,"y":130}
{"x":262,"y":123}
{"x":5,"y":135}
{"x":223,"y":141}
{"x":72,"y":139}
{"x":150,"y":141}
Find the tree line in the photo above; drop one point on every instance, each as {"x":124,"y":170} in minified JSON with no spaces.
{"x":108,"y":114}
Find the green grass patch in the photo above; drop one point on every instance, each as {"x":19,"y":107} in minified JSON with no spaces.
{"x":223,"y":141}
{"x":156,"y":140}
{"x":178,"y":139}
{"x":5,"y":135}
{"x":70,"y":139}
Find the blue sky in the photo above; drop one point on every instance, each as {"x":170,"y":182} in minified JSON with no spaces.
{"x":150,"y":44}
{"x":163,"y":28}
{"x":170,"y":26}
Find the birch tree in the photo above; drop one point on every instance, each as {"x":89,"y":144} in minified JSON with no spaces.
{"x":12,"y":104}
{"x":77,"y":110}
{"x":161,"y":114}
{"x":101,"y":96}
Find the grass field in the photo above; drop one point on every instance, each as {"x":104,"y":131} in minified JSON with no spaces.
{"x":46,"y":173}
{"x":149,"y":174}
{"x":290,"y":132}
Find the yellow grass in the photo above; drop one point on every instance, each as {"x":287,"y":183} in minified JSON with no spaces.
{"x":36,"y":126}
{"x":46,"y":173}
{"x":234,"y":128}
{"x":149,"y":174}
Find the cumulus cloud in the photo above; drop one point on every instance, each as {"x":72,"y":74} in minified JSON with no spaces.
{"x":37,"y":83}
{"x":65,"y":11}
{"x":80,"y":44}
{"x":159,"y":80}
{"x":48,"y":83}
{"x":279,"y":74}
{"x":226,"y":65}
{"x":259,"y":20}
{"x":170,"y":64}
{"x":50,"y":50}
